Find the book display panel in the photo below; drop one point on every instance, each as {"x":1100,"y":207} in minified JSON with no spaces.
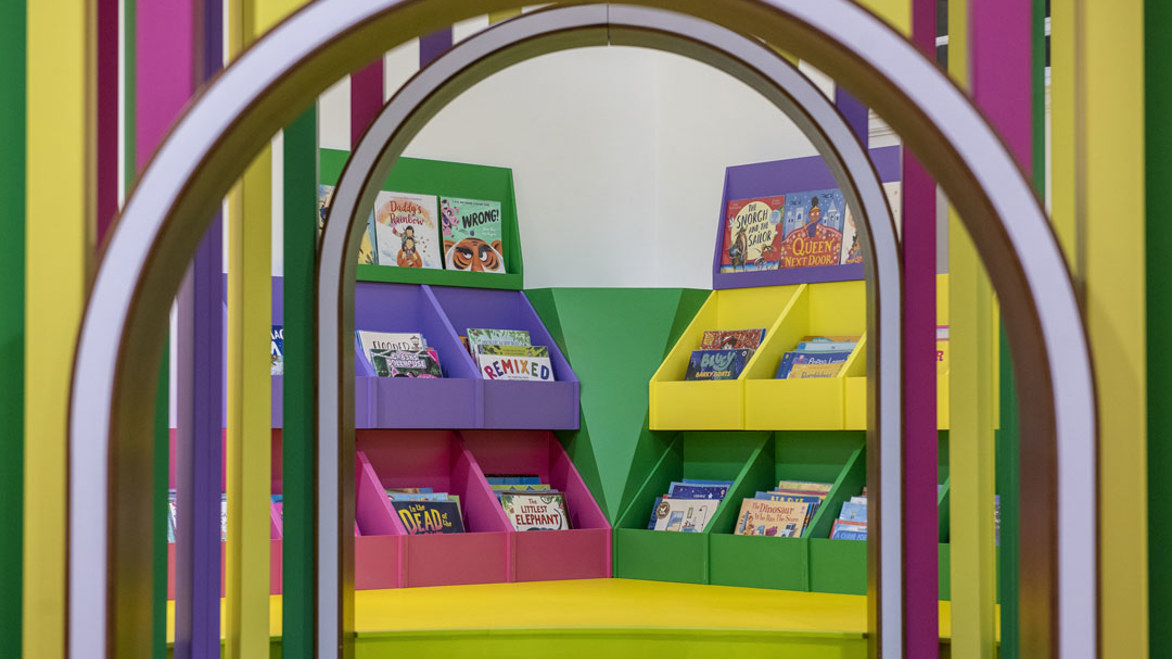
{"x":583,"y":551}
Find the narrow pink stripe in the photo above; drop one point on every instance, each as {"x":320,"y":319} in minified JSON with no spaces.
{"x":366,"y":99}
{"x":165,"y":69}
{"x":108,"y":101}
{"x":921,"y":571}
{"x":1001,"y":68}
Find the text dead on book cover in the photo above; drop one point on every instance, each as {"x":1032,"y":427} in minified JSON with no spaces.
{"x":429,"y":517}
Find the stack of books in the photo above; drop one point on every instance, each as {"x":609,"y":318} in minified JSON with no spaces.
{"x":506,"y":354}
{"x":688,"y":506}
{"x":399,"y":354}
{"x":426,"y":512}
{"x":530,"y":504}
{"x":784,"y":512}
{"x":852,"y":520}
{"x":816,"y":357}
{"x":723,"y":354}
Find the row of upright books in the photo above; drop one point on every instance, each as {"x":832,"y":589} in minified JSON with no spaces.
{"x":442,"y":232}
{"x":500,"y":354}
{"x":529,"y":505}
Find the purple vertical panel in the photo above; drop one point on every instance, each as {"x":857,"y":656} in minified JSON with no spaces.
{"x":921,"y":574}
{"x":434,"y":45}
{"x":108,"y":100}
{"x":366,"y":99}
{"x":855,"y":113}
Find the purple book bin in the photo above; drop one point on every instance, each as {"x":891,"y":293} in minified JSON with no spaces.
{"x":584,"y":551}
{"x":438,"y":459}
{"x":450,"y":402}
{"x":514,"y":404}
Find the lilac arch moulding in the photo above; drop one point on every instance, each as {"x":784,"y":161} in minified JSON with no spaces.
{"x":783,"y":177}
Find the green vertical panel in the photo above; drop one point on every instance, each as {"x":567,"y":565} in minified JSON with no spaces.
{"x":1158,"y":154}
{"x":299,"y":395}
{"x":162,"y":483}
{"x":12,"y":168}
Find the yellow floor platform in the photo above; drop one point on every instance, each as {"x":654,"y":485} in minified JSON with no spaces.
{"x":605,"y":617}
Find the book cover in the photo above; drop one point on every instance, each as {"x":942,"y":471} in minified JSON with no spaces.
{"x":277,"y":350}
{"x":513,"y":479}
{"x":504,"y":367}
{"x":717,"y":364}
{"x":406,"y":230}
{"x":704,"y":481}
{"x":417,"y":496}
{"x":520,"y":487}
{"x":678,"y":490}
{"x":825,"y":346}
{"x":853,"y":512}
{"x":325,"y":198}
{"x":749,"y":339}
{"x":779,"y":519}
{"x":751,"y":233}
{"x":813,"y":229}
{"x":472,"y":232}
{"x":536,"y":512}
{"x":685,"y":515}
{"x":806,"y":486}
{"x":429,"y":517}
{"x":407,"y":363}
{"x":654,"y":515}
{"x":852,"y":251}
{"x":816,"y":364}
{"x":846,"y":530}
{"x":513,"y":351}
{"x":383,"y":342}
{"x":409,"y":490}
{"x":500,"y":337}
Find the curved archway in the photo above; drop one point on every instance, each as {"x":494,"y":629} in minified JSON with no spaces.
{"x":206,"y":152}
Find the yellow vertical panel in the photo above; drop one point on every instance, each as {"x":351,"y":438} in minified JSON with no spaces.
{"x":1064,"y":162}
{"x":1110,"y":136}
{"x":972,"y":402}
{"x":59,"y":241}
{"x":896,"y":12}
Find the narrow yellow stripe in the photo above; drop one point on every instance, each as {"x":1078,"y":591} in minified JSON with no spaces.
{"x":972,"y":402}
{"x":1110,"y":136}
{"x":498,"y":16}
{"x":59,"y":242}
{"x":896,"y":12}
{"x":248,"y":390}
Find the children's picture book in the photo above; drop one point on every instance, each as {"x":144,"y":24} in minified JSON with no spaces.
{"x":805,"y":486}
{"x":409,"y":490}
{"x":515,"y":363}
{"x":472,"y":231}
{"x":325,"y":198}
{"x":717,"y":364}
{"x":512,"y":479}
{"x":406,"y":230}
{"x":749,"y":339}
{"x":429,"y":517}
{"x":418,"y":496}
{"x":544,"y":511}
{"x":812,"y":499}
{"x":852,"y":250}
{"x":818,"y":364}
{"x":684,"y":515}
{"x":678,"y":490}
{"x":520,"y":487}
{"x":853,"y":511}
{"x":500,"y":337}
{"x":277,"y":350}
{"x":406,"y":363}
{"x":778,"y":519}
{"x":383,"y":342}
{"x":751,"y":234}
{"x":847,"y":530}
{"x":813,"y":229}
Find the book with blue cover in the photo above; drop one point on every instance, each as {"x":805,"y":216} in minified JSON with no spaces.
{"x":277,"y":350}
{"x":717,"y":364}
{"x":848,"y":530}
{"x":798,"y":365}
{"x":512,"y":479}
{"x":679,"y":490}
{"x":853,"y":512}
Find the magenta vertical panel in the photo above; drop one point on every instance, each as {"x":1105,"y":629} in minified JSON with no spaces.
{"x":366,"y":99}
{"x":108,"y":101}
{"x":165,"y":68}
{"x":921,"y":558}
{"x":999,"y":62}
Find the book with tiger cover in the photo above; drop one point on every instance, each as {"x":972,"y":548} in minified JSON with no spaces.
{"x":717,"y":364}
{"x":777,"y":519}
{"x":752,"y":228}
{"x":749,"y":339}
{"x":472,"y":234}
{"x":429,"y":517}
{"x":406,"y":230}
{"x":536,"y":511}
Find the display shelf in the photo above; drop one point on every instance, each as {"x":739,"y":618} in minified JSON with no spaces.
{"x":439,"y":459}
{"x":378,"y":542}
{"x":783,"y":562}
{"x":449,"y":402}
{"x":713,"y":405}
{"x":514,"y":404}
{"x":584,"y":551}
{"x":641,"y":553}
{"x":434,"y":177}
{"x":834,"y":309}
